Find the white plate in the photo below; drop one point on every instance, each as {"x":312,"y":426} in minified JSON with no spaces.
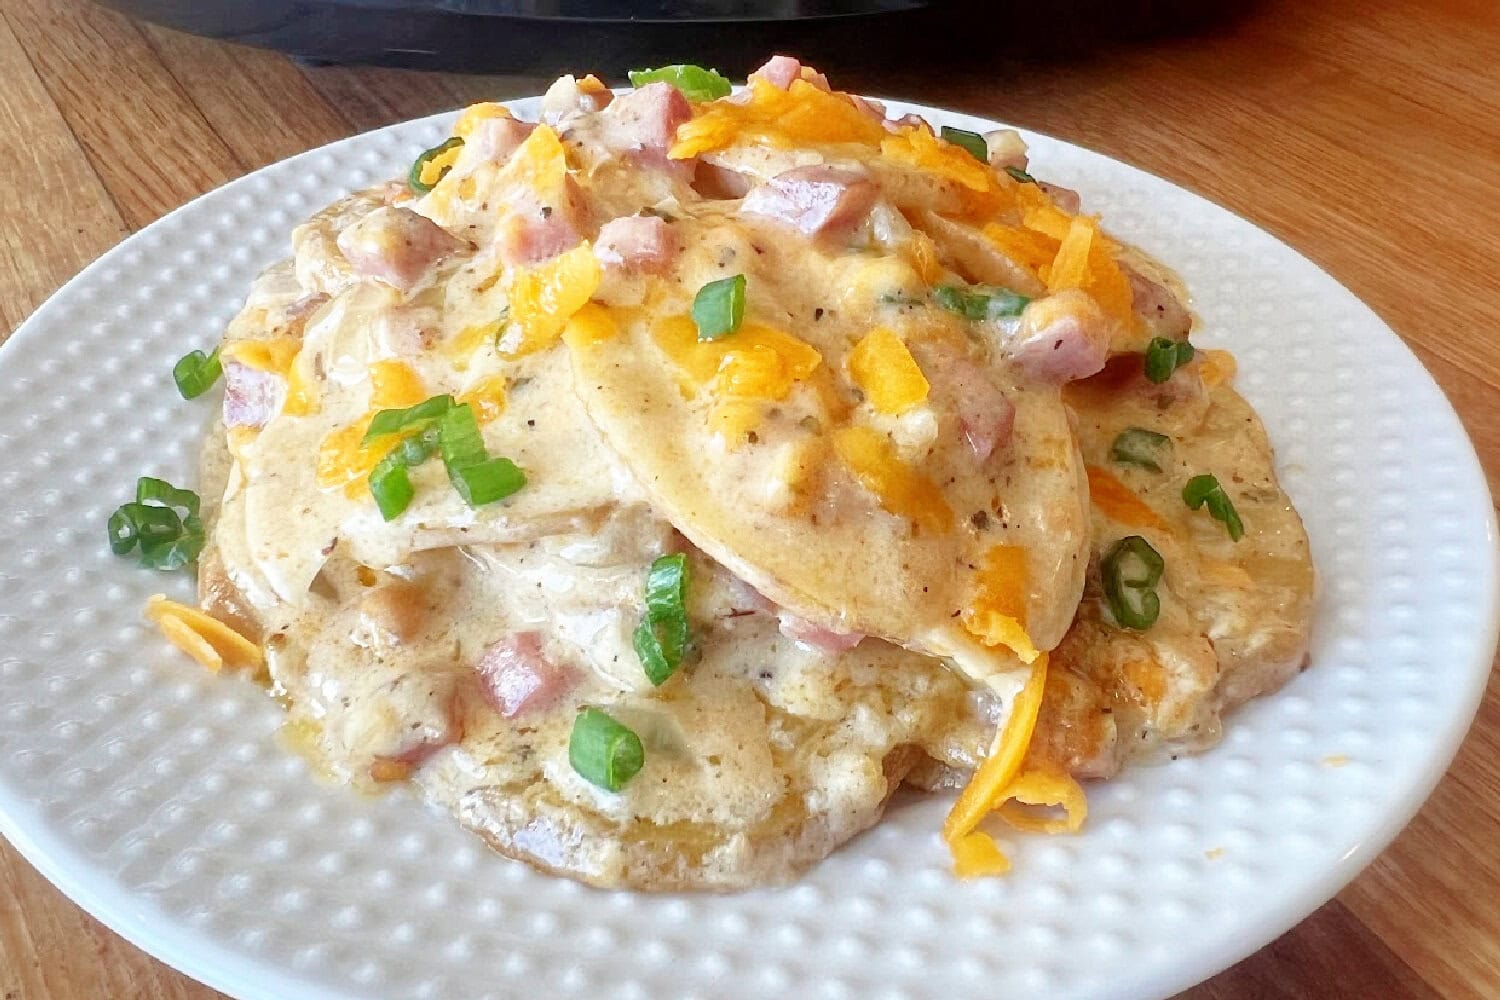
{"x":159,"y":799}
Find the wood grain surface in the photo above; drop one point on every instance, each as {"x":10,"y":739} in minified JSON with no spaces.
{"x":1366,"y":133}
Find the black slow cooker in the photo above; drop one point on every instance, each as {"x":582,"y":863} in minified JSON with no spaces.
{"x":857,"y":39}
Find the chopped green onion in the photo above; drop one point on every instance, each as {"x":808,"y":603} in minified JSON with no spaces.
{"x":390,"y":481}
{"x":478,"y":478}
{"x":1138,"y":446}
{"x":970,"y":142}
{"x":414,"y":179}
{"x":390,"y":485}
{"x":979,"y":303}
{"x":603,"y":751}
{"x":1163,"y":357}
{"x":167,"y":539}
{"x":719,"y":307}
{"x":490,"y":480}
{"x":661,"y":639}
{"x":1206,"y":489}
{"x":1131,"y":570}
{"x":1020,"y":175}
{"x":148,"y":489}
{"x":196,"y":372}
{"x":695,"y":82}
{"x":175,"y":553}
{"x":423,"y":415}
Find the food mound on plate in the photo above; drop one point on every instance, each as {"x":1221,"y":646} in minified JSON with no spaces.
{"x":661,"y":485}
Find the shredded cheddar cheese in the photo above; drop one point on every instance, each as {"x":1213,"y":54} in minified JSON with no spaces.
{"x":394,"y":385}
{"x":545,"y":297}
{"x":486,"y":397}
{"x":1044,"y":787}
{"x":469,"y":120}
{"x":201,"y":636}
{"x":886,"y":372}
{"x":1116,"y":501}
{"x":771,"y":116}
{"x":755,"y":362}
{"x":1215,"y":367}
{"x":591,"y":324}
{"x":986,"y":789}
{"x":997,"y":612}
{"x":900,"y":489}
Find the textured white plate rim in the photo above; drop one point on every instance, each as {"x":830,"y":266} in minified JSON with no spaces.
{"x":232,"y":972}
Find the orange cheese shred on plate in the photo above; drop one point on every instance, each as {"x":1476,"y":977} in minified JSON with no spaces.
{"x":972,"y":856}
{"x":202,"y":636}
{"x":1119,"y":503}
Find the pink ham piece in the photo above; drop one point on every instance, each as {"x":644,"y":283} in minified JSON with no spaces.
{"x":396,"y":246}
{"x":820,"y":201}
{"x":780,"y":71}
{"x":251,"y":397}
{"x":986,"y":417}
{"x":646,"y":118}
{"x":1064,"y":198}
{"x":1061,"y":337}
{"x":636,"y":243}
{"x":1160,"y":308}
{"x":535,"y":232}
{"x":805,"y":633}
{"x":516,"y":677}
{"x":494,"y":139}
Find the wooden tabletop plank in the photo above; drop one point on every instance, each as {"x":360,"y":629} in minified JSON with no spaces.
{"x":1330,"y":954}
{"x":256,"y":101}
{"x":153,"y":151}
{"x":46,"y":167}
{"x":1366,"y":133}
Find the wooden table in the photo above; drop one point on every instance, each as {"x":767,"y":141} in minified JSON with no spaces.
{"x":1364,"y":132}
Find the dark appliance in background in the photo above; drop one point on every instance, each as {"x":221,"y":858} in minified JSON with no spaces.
{"x":861,"y":40}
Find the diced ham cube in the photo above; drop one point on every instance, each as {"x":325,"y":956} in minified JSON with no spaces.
{"x":824,"y":640}
{"x":1065,"y":198}
{"x":494,"y":139}
{"x":534,"y":231}
{"x":1164,"y":313}
{"x":781,"y":71}
{"x":646,"y":118}
{"x":251,"y":397}
{"x":986,"y":416}
{"x":1061,"y":337}
{"x":516,"y":676}
{"x":636,"y":243}
{"x":818,"y":200}
{"x":397,"y":246}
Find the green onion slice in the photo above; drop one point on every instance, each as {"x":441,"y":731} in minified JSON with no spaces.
{"x":148,"y":489}
{"x":1020,"y":175}
{"x":1138,"y":446}
{"x":414,"y":179}
{"x":603,"y":751}
{"x":196,"y":372}
{"x":970,"y":142}
{"x":390,"y":480}
{"x":1206,"y":489}
{"x":1131,"y":570}
{"x":695,"y":82}
{"x":1163,"y":357}
{"x":478,"y":478}
{"x":418,"y":417}
{"x":719,"y":307}
{"x":980,"y":303}
{"x":390,"y":485}
{"x":167,"y":539}
{"x":661,"y":639}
